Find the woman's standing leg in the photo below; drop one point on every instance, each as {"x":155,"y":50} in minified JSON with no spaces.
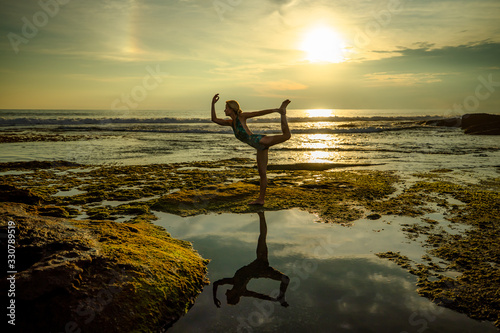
{"x":262,"y":157}
{"x":261,"y":244}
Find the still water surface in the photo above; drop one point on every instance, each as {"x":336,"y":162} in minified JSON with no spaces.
{"x":335,"y":282}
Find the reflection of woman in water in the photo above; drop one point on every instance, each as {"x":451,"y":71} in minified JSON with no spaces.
{"x":260,"y":142}
{"x":259,"y":268}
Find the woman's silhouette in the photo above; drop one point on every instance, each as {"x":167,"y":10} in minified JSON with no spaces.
{"x":259,"y":268}
{"x":260,"y":142}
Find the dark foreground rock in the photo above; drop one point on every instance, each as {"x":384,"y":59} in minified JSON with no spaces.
{"x":12,"y":194}
{"x":481,"y":124}
{"x":96,"y":276}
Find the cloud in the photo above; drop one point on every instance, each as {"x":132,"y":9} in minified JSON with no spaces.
{"x":405,"y":79}
{"x":473,"y":53}
{"x":281,"y":2}
{"x":426,"y":58}
{"x":96,"y":78}
{"x":283,"y":85}
{"x":276,"y":89}
{"x":253,"y":48}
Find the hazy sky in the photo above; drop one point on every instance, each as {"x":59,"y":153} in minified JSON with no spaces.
{"x":166,"y":54}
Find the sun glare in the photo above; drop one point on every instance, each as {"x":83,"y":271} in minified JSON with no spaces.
{"x":323,"y":44}
{"x":320,"y":148}
{"x":320,"y":113}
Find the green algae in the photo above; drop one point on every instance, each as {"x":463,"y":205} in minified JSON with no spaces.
{"x":332,"y":195}
{"x":340,"y":196}
{"x":475,"y":292}
{"x":112,"y":213}
{"x":185,"y":190}
{"x":100,"y":275}
{"x":396,"y":257}
{"x":474,"y":254}
{"x":433,"y":174}
{"x":164,"y":273}
{"x":405,"y":204}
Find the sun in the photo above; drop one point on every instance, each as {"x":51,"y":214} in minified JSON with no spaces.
{"x":323,"y":44}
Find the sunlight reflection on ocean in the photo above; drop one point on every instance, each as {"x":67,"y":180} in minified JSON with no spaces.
{"x":396,"y":139}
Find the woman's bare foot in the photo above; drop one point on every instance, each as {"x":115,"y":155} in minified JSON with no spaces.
{"x":283,"y":106}
{"x":257,"y":202}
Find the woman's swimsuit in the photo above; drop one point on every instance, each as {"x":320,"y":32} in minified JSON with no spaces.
{"x":242,"y":135}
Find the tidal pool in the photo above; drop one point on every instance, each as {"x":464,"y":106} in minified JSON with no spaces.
{"x":328,"y":274}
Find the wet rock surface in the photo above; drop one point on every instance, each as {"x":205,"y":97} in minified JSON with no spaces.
{"x":97,"y":276}
{"x":342,"y":196}
{"x":474,"y":123}
{"x":28,"y":137}
{"x":481,"y":124}
{"x":9,"y":193}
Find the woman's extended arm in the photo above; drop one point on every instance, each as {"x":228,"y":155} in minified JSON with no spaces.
{"x":216,"y":285}
{"x":258,"y":113}
{"x":281,"y":109}
{"x":222,"y":122}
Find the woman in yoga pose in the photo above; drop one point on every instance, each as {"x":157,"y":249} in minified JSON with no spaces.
{"x":260,"y":142}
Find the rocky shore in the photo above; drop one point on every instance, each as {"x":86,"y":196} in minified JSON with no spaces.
{"x":474,"y":123}
{"x":481,"y":124}
{"x":94,"y":276}
{"x":150,"y":279}
{"x":45,"y":137}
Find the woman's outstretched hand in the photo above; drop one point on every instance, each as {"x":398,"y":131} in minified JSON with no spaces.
{"x":283,"y":106}
{"x":215,"y":99}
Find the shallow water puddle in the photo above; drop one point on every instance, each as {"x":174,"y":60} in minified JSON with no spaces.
{"x":336,"y":283}
{"x":69,"y":193}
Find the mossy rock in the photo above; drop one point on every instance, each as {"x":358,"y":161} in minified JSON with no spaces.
{"x":474,"y":254}
{"x":99,"y":276}
{"x":336,"y":196}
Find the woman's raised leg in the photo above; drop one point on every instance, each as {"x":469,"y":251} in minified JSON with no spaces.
{"x":271,"y":140}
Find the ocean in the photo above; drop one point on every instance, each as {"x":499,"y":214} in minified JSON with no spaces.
{"x":387,"y":139}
